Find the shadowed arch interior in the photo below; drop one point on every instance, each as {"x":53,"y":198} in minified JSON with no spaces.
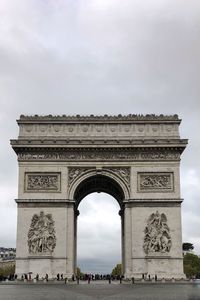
{"x":99,"y":183}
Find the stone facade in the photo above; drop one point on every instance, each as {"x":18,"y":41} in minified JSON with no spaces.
{"x":134,"y":158}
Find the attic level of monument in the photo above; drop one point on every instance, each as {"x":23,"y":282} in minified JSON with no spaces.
{"x":106,"y":130}
{"x":135,"y":158}
{"x":131,"y":137}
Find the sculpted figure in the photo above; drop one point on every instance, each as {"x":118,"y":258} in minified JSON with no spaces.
{"x":41,"y":235}
{"x":157,"y":234}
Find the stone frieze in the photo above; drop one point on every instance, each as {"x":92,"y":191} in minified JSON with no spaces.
{"x":42,"y":182}
{"x":100,"y":154}
{"x":148,"y":182}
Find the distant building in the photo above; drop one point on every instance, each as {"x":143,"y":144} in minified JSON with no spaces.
{"x":7,"y":253}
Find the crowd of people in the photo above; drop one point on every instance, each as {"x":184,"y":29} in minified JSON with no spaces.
{"x":10,"y":277}
{"x":60,"y":277}
{"x":99,"y":277}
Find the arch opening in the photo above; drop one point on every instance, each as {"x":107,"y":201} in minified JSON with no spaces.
{"x":99,"y":183}
{"x":98,"y":234}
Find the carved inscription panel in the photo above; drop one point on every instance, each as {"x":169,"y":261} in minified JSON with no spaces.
{"x":42,"y":182}
{"x":156,"y":182}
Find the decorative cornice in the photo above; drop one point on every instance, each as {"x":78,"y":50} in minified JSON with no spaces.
{"x":44,"y":201}
{"x":130,"y":117}
{"x":165,"y":202}
{"x":148,"y":200}
{"x":21,"y":203}
{"x":83,"y":142}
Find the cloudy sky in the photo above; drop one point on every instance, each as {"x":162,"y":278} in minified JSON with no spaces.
{"x":100,"y":57}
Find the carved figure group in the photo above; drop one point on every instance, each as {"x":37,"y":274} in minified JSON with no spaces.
{"x":41,"y":235}
{"x":157,"y":234}
{"x":96,"y":155}
{"x":155,"y":181}
{"x":42,"y":182}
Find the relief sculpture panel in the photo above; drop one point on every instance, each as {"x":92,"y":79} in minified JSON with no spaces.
{"x":155,"y":182}
{"x":41,"y":235}
{"x":99,"y":154}
{"x":77,"y":172}
{"x":122,"y":172}
{"x":157,"y":234}
{"x":42,"y":182}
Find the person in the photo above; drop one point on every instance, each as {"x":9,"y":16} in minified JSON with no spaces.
{"x":37,"y":277}
{"x":156,"y":278}
{"x":58,"y":276}
{"x":46,"y":277}
{"x":133,"y":279}
{"x":61,"y":276}
{"x":77,"y":278}
{"x":120,"y":279}
{"x":89,"y":279}
{"x":109,"y":279}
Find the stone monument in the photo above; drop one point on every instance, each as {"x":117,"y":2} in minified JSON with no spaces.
{"x":134,"y":158}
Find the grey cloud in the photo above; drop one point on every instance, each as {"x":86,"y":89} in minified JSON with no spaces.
{"x":98,"y":265}
{"x":99,"y":228}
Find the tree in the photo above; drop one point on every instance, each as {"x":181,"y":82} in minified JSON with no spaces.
{"x":7,"y":270}
{"x":187,"y":246}
{"x":117,"y":271}
{"x":191,"y":263}
{"x":79,"y":274}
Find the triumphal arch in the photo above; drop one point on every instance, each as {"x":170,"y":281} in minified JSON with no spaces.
{"x":134,"y":158}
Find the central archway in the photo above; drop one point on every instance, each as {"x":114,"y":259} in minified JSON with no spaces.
{"x":98,"y":183}
{"x":98,"y":234}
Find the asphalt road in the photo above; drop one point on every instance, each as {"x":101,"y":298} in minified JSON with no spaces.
{"x":113,"y":291}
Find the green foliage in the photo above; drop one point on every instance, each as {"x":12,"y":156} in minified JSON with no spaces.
{"x":5,"y":271}
{"x":187,"y":246}
{"x":117,"y":270}
{"x":191,"y":264}
{"x":79,"y":274}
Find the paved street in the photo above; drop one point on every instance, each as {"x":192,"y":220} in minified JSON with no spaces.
{"x":99,"y":291}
